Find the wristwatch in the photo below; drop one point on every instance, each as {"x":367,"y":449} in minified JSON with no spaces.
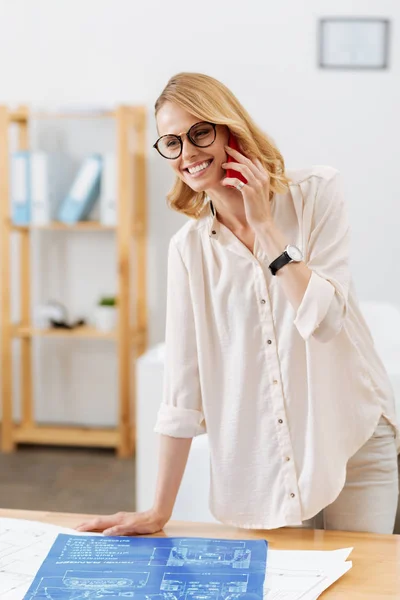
{"x":290,"y":254}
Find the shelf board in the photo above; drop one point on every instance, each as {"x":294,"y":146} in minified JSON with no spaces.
{"x":18,"y":116}
{"x":21,"y":116}
{"x":58,"y":226}
{"x":83,"y":331}
{"x":95,"y":114}
{"x":68,"y":436}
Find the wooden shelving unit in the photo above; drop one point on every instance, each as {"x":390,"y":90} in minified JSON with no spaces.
{"x":25,"y":331}
{"x":57,"y":226}
{"x":130,"y":335}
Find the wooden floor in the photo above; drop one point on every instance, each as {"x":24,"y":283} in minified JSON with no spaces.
{"x":66,"y":480}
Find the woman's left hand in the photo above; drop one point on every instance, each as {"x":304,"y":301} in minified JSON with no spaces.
{"x":255,"y":192}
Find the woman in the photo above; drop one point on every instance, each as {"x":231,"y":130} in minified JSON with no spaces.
{"x":266,"y":345}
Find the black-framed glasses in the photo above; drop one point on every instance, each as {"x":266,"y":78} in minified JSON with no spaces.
{"x":201,"y":134}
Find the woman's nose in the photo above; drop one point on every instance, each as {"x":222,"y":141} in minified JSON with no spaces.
{"x":188,"y":149}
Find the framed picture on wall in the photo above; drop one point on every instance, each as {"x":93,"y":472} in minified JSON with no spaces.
{"x":353,"y":43}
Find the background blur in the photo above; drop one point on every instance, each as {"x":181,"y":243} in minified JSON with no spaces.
{"x":103,"y":53}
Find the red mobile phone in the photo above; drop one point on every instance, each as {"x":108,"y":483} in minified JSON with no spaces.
{"x":233,"y":143}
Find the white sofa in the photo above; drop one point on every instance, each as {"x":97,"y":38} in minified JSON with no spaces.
{"x":192,"y":503}
{"x":383,"y":319}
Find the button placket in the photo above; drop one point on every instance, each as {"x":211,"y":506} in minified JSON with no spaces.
{"x":282,"y":431}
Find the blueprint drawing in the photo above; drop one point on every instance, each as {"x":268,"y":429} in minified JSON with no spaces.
{"x":91,"y":567}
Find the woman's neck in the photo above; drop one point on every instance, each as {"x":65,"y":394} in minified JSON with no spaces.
{"x":229,"y":206}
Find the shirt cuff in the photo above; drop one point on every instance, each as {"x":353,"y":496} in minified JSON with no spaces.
{"x":314,"y":305}
{"x":179,"y":422}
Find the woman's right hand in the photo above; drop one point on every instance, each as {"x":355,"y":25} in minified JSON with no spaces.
{"x":125,"y":523}
{"x":173,"y":458}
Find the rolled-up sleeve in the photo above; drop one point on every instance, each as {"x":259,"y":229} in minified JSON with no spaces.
{"x":180,"y":413}
{"x":323,"y":308}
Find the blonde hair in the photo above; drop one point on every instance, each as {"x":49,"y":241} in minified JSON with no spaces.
{"x":210,"y":100}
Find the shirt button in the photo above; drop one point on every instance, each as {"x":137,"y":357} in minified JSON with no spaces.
{"x":213,"y":232}
{"x":263,"y":301}
{"x":269,"y":342}
{"x":275,"y":381}
{"x":287,"y":458}
{"x":292,"y":495}
{"x":280,"y":421}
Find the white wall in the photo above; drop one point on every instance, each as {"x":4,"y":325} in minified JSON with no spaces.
{"x":110,"y":51}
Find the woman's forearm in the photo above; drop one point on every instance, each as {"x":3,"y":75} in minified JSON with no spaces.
{"x":174,"y":454}
{"x":293,"y":277}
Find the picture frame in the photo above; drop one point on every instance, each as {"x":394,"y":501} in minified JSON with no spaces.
{"x":356,"y":43}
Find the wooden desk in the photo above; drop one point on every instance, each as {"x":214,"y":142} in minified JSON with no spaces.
{"x":376,"y":558}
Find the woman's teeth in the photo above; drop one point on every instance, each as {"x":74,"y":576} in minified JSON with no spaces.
{"x":200,"y":167}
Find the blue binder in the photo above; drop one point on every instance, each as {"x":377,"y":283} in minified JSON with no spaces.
{"x":84,"y":191}
{"x":20,"y":188}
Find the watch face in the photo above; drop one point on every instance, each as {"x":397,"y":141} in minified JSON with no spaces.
{"x":294,"y":253}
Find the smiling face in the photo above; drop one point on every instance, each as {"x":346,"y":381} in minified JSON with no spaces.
{"x":199,"y":168}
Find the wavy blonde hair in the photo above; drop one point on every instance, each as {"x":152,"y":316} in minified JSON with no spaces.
{"x":210,"y":100}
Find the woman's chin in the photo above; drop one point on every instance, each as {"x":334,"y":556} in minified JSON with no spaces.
{"x":198,"y":186}
{"x":204,"y":186}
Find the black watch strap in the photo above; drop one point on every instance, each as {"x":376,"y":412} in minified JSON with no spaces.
{"x":279,"y":262}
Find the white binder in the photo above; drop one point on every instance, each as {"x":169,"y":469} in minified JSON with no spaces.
{"x":20,"y":196}
{"x":109,"y":191}
{"x":49,"y":183}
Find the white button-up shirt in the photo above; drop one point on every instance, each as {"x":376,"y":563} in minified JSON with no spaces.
{"x":286,"y":397}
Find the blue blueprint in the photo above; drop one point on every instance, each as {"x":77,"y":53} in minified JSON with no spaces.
{"x":91,"y":567}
